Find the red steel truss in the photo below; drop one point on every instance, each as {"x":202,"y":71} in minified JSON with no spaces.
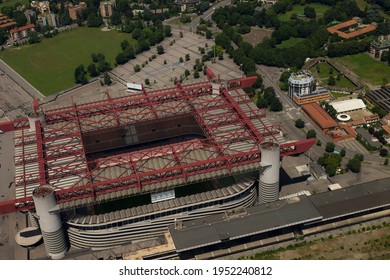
{"x":224,"y":113}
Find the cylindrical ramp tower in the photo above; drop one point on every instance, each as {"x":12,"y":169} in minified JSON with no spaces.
{"x":269,"y":177}
{"x":36,"y":116}
{"x":50,"y":223}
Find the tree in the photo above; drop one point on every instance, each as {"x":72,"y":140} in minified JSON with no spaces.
{"x":331,"y":81}
{"x":311,"y":134}
{"x":196,"y":74}
{"x":94,"y":21}
{"x":383,"y":152}
{"x":92,"y":70}
{"x":319,"y":143}
{"x":187,"y":57}
{"x":115,"y":18}
{"x":147,"y":81}
{"x":187,"y":73}
{"x":343,"y":152}
{"x":209,"y":34}
{"x":124,"y":45}
{"x":3,"y":36}
{"x":330,"y":147}
{"x":181,"y":59}
{"x":19,"y":18}
{"x":137,"y":68}
{"x":104,"y":66}
{"x":34,"y":38}
{"x":299,"y":123}
{"x":330,"y":170}
{"x":97,"y":57}
{"x":354,"y":165}
{"x":107,"y":79}
{"x":160,"y":49}
{"x":167,"y":31}
{"x":80,"y":75}
{"x":386,"y":162}
{"x":309,"y":12}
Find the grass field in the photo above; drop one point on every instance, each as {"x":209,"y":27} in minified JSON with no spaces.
{"x":12,"y":2}
{"x":49,"y":65}
{"x":290,"y":43}
{"x":324,"y":76}
{"x":366,"y":67}
{"x":298,"y":9}
{"x":339,"y":94}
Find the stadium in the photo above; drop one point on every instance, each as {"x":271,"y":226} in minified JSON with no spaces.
{"x":123,"y":168}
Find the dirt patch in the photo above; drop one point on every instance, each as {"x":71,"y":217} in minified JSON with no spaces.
{"x":359,"y":246}
{"x":257,"y":35}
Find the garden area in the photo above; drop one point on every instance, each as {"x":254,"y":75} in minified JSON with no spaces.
{"x":360,"y":63}
{"x":49,"y":66}
{"x":298,"y":9}
{"x":330,"y":76}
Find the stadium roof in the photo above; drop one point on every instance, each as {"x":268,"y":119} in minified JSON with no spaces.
{"x":254,"y":220}
{"x":348,"y":105}
{"x":319,"y":115}
{"x":326,"y":206}
{"x":56,"y":153}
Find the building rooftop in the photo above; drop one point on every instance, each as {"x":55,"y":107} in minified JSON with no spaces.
{"x":347,"y":35}
{"x":319,"y":115}
{"x":381,"y":97}
{"x":267,"y":217}
{"x":368,"y":137}
{"x":78,"y":141}
{"x":22,"y":28}
{"x":301,"y":78}
{"x":348,"y":105}
{"x":254,"y":220}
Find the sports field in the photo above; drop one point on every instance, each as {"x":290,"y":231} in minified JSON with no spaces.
{"x":366,"y":67}
{"x":298,"y":9}
{"x":50,"y":65}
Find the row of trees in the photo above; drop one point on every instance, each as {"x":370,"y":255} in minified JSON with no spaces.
{"x":268,"y":99}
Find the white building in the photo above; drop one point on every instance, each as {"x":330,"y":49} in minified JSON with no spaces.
{"x":348,"y":105}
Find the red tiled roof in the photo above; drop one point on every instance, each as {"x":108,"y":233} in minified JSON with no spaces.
{"x":339,"y":26}
{"x":22,"y":28}
{"x":7,"y":24}
{"x":336,"y":29}
{"x":319,"y":115}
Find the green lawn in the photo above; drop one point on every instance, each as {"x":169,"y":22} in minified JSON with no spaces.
{"x":339,"y":94}
{"x":290,"y":43}
{"x":176,"y":21}
{"x":366,"y":67}
{"x":324,"y":75}
{"x":13,"y":2}
{"x":298,"y":9}
{"x":49,"y":65}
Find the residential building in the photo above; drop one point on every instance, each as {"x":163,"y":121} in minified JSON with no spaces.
{"x":188,"y":5}
{"x":21,"y":32}
{"x":6,"y":22}
{"x":106,"y":8}
{"x":74,"y":9}
{"x":42,"y":6}
{"x":380,"y":45}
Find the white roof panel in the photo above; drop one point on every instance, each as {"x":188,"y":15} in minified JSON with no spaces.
{"x":348,"y":105}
